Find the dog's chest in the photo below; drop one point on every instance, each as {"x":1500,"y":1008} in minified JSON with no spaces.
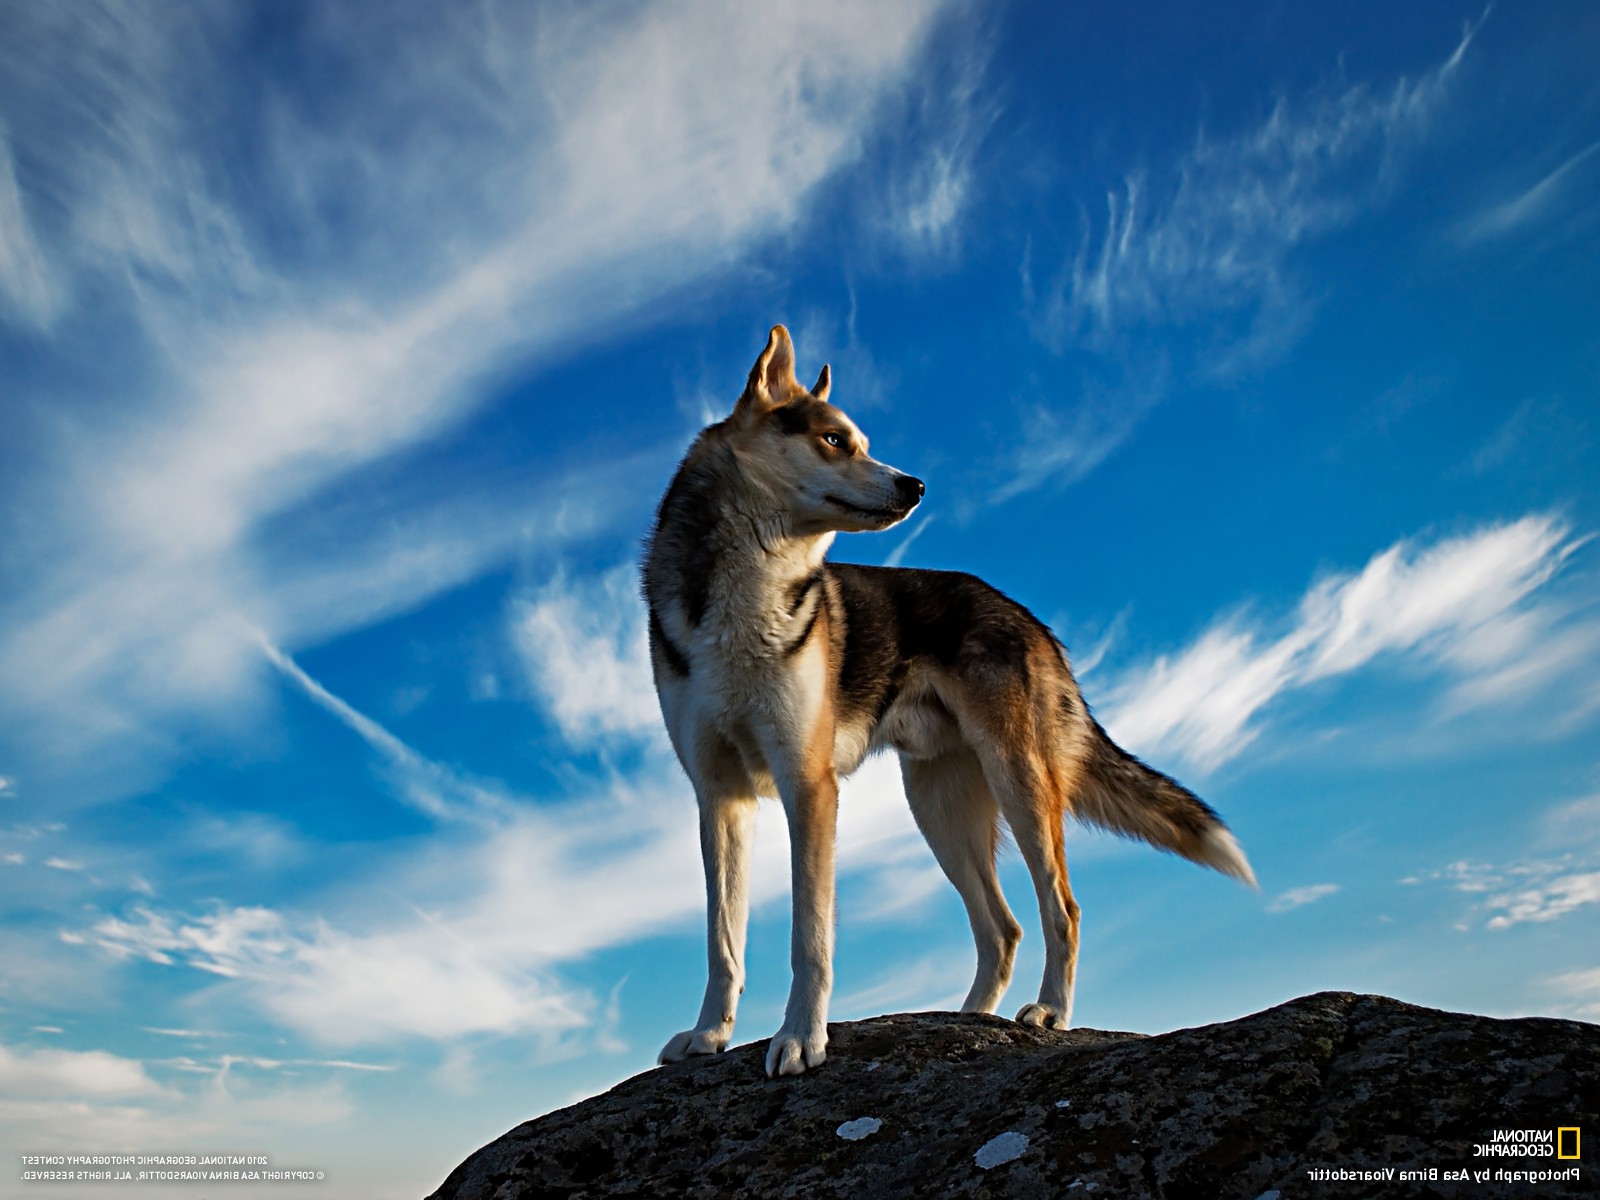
{"x":757,"y":666}
{"x":747,"y":654}
{"x":753,"y":618}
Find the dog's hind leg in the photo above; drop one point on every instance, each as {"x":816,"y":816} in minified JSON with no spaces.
{"x":1032,"y":804}
{"x":955,"y":810}
{"x":727,"y":832}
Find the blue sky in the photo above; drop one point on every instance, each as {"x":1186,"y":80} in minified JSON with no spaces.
{"x":347,"y":348}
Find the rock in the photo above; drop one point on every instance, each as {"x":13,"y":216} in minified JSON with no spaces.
{"x":1249,"y":1108}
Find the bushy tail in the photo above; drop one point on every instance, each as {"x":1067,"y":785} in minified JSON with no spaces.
{"x":1119,"y":793}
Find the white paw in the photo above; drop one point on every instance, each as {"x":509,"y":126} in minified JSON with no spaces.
{"x":795,"y":1054}
{"x":692,"y":1042}
{"x":1044,"y":1016}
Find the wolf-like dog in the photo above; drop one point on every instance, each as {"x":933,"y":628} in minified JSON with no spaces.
{"x":778,"y":672}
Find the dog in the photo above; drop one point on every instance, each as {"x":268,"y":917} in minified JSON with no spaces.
{"x":778,"y":672}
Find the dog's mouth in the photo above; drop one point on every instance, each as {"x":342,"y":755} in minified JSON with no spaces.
{"x":871,"y":514}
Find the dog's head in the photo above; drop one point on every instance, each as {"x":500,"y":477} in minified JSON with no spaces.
{"x":808,"y":456}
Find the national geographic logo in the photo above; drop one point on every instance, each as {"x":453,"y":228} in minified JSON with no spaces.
{"x":1489,"y":1163}
{"x":1565,"y":1142}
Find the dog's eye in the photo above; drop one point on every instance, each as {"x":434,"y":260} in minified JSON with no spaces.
{"x":836,"y":440}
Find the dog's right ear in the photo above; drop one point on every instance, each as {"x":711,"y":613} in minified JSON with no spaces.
{"x":772,"y":380}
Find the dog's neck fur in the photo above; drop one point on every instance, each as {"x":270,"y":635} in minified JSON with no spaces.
{"x":723,"y":551}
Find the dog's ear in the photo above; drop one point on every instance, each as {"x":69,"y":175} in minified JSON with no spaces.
{"x":824,"y":384}
{"x":772,"y":379}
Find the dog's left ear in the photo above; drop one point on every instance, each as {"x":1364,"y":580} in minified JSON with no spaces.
{"x":772,"y":380}
{"x":824,"y":384}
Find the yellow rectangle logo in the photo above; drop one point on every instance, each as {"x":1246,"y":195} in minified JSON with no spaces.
{"x":1563,"y":1141}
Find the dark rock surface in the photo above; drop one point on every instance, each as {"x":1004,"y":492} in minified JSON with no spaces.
{"x":1329,"y":1082}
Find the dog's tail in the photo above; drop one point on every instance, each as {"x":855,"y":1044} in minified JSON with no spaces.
{"x":1119,"y":793}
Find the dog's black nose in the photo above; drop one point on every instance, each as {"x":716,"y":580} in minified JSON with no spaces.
{"x":910,"y":488}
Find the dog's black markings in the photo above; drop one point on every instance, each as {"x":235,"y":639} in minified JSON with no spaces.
{"x":798,"y":594}
{"x":675,"y":657}
{"x":793,"y":418}
{"x":894,"y":616}
{"x":799,"y":591}
{"x":688,"y":520}
{"x":798,"y":644}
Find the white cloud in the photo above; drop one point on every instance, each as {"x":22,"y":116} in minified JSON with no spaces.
{"x":933,"y":983}
{"x":1576,"y":822}
{"x":254,"y":840}
{"x":228,"y":942}
{"x":1545,"y":900}
{"x":1463,"y":606}
{"x":1527,"y":207}
{"x":1301,"y":896}
{"x":1582,"y":990}
{"x":586,"y":654}
{"x":1525,"y":891}
{"x":934,"y":148}
{"x":28,"y":287}
{"x":898,"y":555}
{"x":71,"y":1074}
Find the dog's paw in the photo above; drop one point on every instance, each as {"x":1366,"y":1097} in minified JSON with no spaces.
{"x":795,"y":1054}
{"x":693,"y":1042}
{"x":1043,"y":1016}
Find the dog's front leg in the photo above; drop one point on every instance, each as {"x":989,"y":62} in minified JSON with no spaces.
{"x":812,"y":805}
{"x":727,"y":827}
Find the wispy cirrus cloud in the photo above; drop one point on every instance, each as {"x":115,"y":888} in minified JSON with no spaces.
{"x":1467,"y":607}
{"x":30,"y":293}
{"x":1220,"y":237}
{"x":1059,"y":446}
{"x":1211,"y":237}
{"x":1580,"y":991}
{"x":436,"y":790}
{"x":933,"y":154}
{"x":1301,"y":896}
{"x":1540,"y":201}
